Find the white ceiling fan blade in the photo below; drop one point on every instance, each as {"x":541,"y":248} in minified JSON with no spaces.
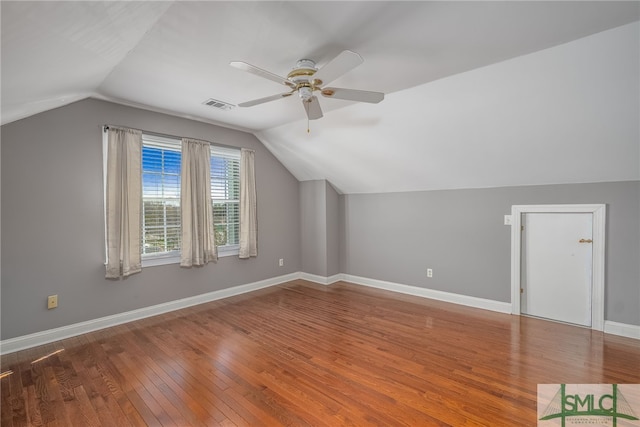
{"x":352,"y":94}
{"x":265,"y":99}
{"x":345,"y":61}
{"x":260,"y":72}
{"x":312,"y":108}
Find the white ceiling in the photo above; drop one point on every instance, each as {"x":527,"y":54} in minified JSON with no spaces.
{"x":172,"y":56}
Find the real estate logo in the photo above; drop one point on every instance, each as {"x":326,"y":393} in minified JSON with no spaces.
{"x":616,"y":405}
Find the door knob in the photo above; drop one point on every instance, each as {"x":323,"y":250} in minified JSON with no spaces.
{"x":585,"y":241}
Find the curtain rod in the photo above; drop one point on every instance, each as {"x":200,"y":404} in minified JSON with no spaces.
{"x":164,"y":135}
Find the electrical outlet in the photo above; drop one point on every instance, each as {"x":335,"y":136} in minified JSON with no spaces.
{"x":52,"y":301}
{"x":429,"y":272}
{"x":281,"y":262}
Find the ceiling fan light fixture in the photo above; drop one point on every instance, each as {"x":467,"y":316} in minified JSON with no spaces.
{"x":305,"y":93}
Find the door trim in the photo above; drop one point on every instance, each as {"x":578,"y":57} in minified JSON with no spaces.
{"x":598,"y":273}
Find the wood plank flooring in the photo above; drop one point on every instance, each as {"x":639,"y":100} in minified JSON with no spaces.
{"x":303,"y":354}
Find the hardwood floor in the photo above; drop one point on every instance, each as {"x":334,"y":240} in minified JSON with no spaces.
{"x":304,"y":354}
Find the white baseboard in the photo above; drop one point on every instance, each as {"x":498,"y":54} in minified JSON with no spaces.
{"x":622,"y":329}
{"x":486,"y":304}
{"x":502,"y":307}
{"x":27,"y":341}
{"x":321,"y":279}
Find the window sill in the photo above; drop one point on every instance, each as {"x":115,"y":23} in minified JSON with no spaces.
{"x":152,"y":261}
{"x":160,"y":260}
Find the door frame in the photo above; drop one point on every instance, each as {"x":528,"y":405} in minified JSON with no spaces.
{"x":598,"y":264}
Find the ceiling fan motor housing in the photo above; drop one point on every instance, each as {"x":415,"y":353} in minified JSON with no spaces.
{"x":300,"y":75}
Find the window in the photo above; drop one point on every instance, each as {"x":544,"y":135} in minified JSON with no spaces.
{"x":160,"y":196}
{"x":161,"y":159}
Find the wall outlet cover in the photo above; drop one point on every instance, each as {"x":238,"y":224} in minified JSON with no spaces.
{"x":52,"y":301}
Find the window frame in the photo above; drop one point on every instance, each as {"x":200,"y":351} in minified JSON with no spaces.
{"x":229,"y":153}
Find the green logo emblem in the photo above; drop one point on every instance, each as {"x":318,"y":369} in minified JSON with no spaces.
{"x":600,"y":402}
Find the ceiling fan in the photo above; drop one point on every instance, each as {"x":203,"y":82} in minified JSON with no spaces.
{"x":306,"y":79}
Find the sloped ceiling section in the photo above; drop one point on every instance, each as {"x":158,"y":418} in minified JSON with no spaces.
{"x":450,"y":119}
{"x":568,"y":114}
{"x":55,"y":53}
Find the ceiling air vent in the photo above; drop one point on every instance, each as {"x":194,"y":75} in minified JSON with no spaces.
{"x":220,"y":105}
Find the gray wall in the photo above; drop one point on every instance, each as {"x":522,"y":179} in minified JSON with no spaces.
{"x":313,"y":227}
{"x":460,"y":234}
{"x":52,"y":220}
{"x":333,"y":229}
{"x":319,"y":234}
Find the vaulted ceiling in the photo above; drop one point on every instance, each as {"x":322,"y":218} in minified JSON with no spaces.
{"x":478,"y":94}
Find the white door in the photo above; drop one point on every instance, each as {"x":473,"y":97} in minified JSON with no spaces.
{"x":556,"y":266}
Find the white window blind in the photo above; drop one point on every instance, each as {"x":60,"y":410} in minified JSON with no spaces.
{"x":225,"y":195}
{"x":161,"y":196}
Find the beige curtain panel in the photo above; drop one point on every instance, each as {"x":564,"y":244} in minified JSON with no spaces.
{"x":248,"y":205}
{"x":123,"y":202}
{"x":198,"y":242}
